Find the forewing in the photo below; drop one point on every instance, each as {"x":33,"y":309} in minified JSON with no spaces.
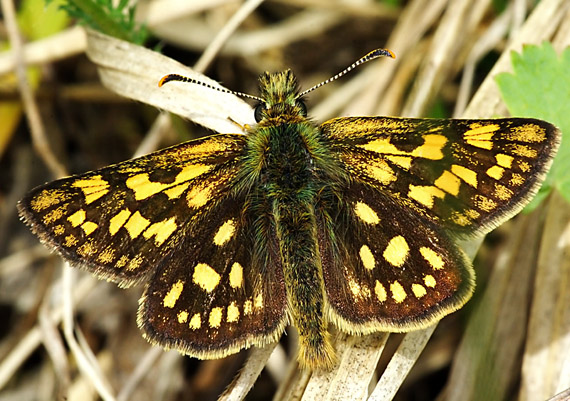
{"x":121,"y":221}
{"x":212,"y":297}
{"x":386,"y":269}
{"x":466,"y":175}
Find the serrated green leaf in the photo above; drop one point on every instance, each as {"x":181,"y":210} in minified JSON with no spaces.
{"x":103,"y":16}
{"x":540,"y":87}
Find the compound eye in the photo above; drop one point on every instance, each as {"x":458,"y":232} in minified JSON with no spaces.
{"x":259,"y":112}
{"x":300,"y":104}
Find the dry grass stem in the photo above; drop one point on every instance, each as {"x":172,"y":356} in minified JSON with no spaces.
{"x":222,"y":37}
{"x":28,"y":100}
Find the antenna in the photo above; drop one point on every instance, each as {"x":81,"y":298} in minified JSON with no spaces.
{"x":370,"y":56}
{"x":176,"y":77}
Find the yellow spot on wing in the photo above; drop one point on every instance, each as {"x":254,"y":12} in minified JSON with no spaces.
{"x":527,"y":133}
{"x":367,"y":257}
{"x":122,"y":261}
{"x":523,"y":150}
{"x":213,"y":146}
{"x":173,"y":294}
{"x":118,"y":220}
{"x":425,"y":194}
{"x":381,"y":172}
{"x":143,"y":188}
{"x":380,"y":292}
{"x":472,"y":214}
{"x":225,"y":232}
{"x":190,"y":172}
{"x":233,"y":313}
{"x":502,"y":192}
{"x":87,"y":249}
{"x":429,"y":280}
{"x":205,"y":277}
{"x":495,"y":172}
{"x":162,"y":230}
{"x":107,"y":256}
{"x":236,"y":275}
{"x":365,"y":213}
{"x":467,"y":175}
{"x":198,"y":197}
{"x":93,"y":188}
{"x":402,"y":161}
{"x":431,"y":256}
{"x":479,"y":131}
{"x":524,"y":166}
{"x":136,"y":225}
{"x":70,"y":240}
{"x":47,"y":198}
{"x":175,"y":192}
{"x":448,"y":182}
{"x":247,"y":307}
{"x":504,"y":160}
{"x":397,"y":251}
{"x":430,"y":149}
{"x":418,"y":290}
{"x":88,"y":227}
{"x":481,"y":136}
{"x":55,"y":214}
{"x":484,"y":203}
{"x":135,"y":263}
{"x":398,"y":293}
{"x":182,"y":316}
{"x":516,"y":180}
{"x":258,"y":301}
{"x":358,"y":291}
{"x":215,"y":317}
{"x":195,"y":322}
{"x":460,"y":219}
{"x":77,"y":218}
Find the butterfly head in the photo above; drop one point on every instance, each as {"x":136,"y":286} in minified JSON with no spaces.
{"x":280,"y":96}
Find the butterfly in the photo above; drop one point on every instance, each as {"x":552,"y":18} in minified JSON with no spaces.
{"x":351,"y":223}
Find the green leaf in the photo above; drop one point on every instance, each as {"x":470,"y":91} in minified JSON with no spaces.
{"x":103,"y":16}
{"x":540,"y":87}
{"x":38,"y":20}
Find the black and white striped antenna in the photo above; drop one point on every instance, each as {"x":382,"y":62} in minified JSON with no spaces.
{"x":370,"y":56}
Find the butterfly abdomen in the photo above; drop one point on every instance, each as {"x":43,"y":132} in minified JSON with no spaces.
{"x":296,"y":231}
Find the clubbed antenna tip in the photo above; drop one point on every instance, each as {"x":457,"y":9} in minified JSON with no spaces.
{"x":175,"y":77}
{"x":370,"y":56}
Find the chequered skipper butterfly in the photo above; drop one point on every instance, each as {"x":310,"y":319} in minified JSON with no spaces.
{"x":350,"y":223}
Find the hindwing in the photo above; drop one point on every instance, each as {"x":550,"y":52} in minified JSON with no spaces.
{"x":211,"y":297}
{"x":386,"y":269}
